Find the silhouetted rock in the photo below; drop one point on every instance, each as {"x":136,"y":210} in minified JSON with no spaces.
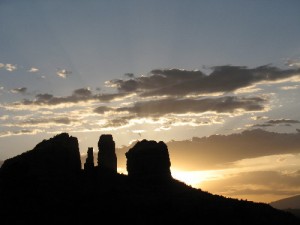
{"x":57,"y":157}
{"x":149,"y":160}
{"x":107,"y":158}
{"x":92,"y":197}
{"x":89,"y":162}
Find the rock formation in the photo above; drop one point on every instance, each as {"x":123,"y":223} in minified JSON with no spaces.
{"x":36,"y":187}
{"x":57,"y":157}
{"x":89,"y":162}
{"x":107,"y":158}
{"x":149,"y":160}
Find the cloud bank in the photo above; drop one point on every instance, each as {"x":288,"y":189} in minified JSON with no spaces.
{"x":170,"y":97}
{"x":222,"y":79}
{"x":216,"y":151}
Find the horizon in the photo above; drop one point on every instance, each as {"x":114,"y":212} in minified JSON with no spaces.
{"x":218,"y":81}
{"x":212,"y":179}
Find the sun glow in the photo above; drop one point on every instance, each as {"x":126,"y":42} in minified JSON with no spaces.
{"x":193,"y":178}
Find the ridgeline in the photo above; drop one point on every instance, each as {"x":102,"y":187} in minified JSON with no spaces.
{"x":47,"y":185}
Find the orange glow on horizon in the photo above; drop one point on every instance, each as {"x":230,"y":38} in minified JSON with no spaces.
{"x":193,"y":178}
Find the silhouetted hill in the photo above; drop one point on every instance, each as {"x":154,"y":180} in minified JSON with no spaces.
{"x":286,"y":203}
{"x":37,"y":189}
{"x":291,"y":204}
{"x":58,"y":157}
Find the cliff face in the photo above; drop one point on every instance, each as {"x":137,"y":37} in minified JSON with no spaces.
{"x":149,"y":160}
{"x":57,"y":157}
{"x":107,"y":158}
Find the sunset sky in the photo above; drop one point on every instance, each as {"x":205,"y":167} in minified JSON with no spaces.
{"x":218,"y":81}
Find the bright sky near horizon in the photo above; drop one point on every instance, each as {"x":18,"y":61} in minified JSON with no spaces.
{"x":164,"y":70}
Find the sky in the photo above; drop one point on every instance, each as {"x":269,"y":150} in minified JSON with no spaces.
{"x":218,"y":81}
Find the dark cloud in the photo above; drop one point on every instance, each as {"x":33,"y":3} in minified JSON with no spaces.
{"x":159,"y":108}
{"x":263,"y":125}
{"x":282,"y":121}
{"x":180,"y":106}
{"x":130,"y":75}
{"x":21,"y":90}
{"x":118,"y":122}
{"x":83,"y":92}
{"x":39,"y":121}
{"x":102,"y":109}
{"x":217,"y":150}
{"x":78,"y":95}
{"x":109,"y":97}
{"x":271,"y":123}
{"x":175,"y":82}
{"x":44,"y":97}
{"x":156,"y":80}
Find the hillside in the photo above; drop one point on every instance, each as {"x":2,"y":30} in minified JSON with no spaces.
{"x":35,"y":189}
{"x":287,"y":203}
{"x":291,"y":204}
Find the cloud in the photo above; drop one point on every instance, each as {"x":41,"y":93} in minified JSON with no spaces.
{"x":10,"y":67}
{"x":83,"y":92}
{"x":63,"y":73}
{"x":117,"y":123}
{"x":282,"y":121}
{"x":157,"y":79}
{"x":33,"y":70}
{"x":223,"y":79}
{"x":46,"y":121}
{"x":4,"y":117}
{"x":78,"y":95}
{"x":21,"y":90}
{"x":262,"y":125}
{"x":217,"y":151}
{"x":19,"y":132}
{"x":157,"y":108}
{"x":167,"y":113}
{"x":292,"y":87}
{"x":271,"y":123}
{"x":130,"y":75}
{"x":159,"y":124}
{"x":293,"y":63}
{"x":259,"y":117}
{"x":103,"y":109}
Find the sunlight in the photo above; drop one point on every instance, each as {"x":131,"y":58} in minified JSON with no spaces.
{"x":193,"y":178}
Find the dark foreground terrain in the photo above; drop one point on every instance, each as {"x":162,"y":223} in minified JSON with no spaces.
{"x":47,"y":186}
